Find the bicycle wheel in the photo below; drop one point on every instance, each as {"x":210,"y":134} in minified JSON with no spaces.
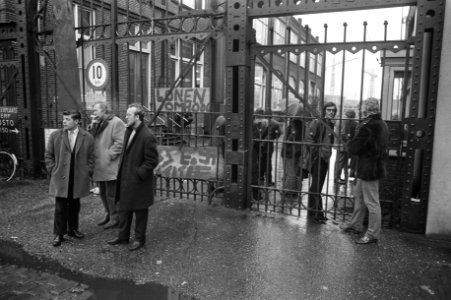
{"x":8,"y":163}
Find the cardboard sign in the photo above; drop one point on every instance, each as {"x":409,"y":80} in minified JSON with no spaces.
{"x":8,"y":119}
{"x":190,"y":162}
{"x":184,"y":99}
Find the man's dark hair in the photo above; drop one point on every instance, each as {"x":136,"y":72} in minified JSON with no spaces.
{"x":74,"y":114}
{"x":139,"y":110}
{"x":329,"y":104}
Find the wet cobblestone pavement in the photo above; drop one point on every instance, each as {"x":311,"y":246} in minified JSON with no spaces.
{"x":201,"y":251}
{"x":25,"y":283}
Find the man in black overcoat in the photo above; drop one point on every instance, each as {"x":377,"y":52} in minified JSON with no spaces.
{"x":134,"y":186}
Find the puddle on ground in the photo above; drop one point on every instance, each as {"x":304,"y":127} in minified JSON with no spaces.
{"x":102,"y":288}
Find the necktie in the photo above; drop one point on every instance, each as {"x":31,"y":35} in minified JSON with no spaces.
{"x":130,"y":138}
{"x":72,"y":140}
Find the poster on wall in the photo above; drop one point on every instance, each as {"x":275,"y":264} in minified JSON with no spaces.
{"x":8,"y":119}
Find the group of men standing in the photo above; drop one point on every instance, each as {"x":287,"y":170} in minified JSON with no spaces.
{"x":369,"y":149}
{"x":119,"y":157}
{"x":307,"y":149}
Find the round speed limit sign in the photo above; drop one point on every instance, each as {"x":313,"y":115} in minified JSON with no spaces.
{"x":97,"y":73}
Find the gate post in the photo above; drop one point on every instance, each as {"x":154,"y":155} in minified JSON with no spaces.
{"x":238,"y":105}
{"x":421,"y":119}
{"x":28,"y":90}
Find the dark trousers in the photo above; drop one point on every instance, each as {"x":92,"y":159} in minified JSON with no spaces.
{"x":66,"y":215}
{"x":125,"y":222}
{"x":341,"y":163}
{"x":315,"y":202}
{"x":107,"y":191}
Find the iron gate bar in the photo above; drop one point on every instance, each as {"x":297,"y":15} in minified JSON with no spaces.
{"x":384,"y":54}
{"x":425,"y":75}
{"x":102,"y":33}
{"x":275,"y":8}
{"x":334,"y":48}
{"x":9,"y":63}
{"x":363,"y":70}
{"x":155,"y":38}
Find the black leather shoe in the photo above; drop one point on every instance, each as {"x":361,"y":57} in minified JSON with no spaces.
{"x":117,"y":241}
{"x":104,"y":221}
{"x":135,"y":246}
{"x":57,"y":240}
{"x":114,"y":224}
{"x":76,"y":234}
{"x":366,"y":240}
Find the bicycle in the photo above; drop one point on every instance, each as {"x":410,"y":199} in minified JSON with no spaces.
{"x":8,"y":165}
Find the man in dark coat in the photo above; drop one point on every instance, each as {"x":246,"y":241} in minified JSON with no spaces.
{"x":320,"y":137}
{"x":134,"y":186}
{"x":370,"y":146}
{"x":69,"y":158}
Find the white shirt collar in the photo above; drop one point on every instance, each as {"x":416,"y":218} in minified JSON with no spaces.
{"x":75,"y":131}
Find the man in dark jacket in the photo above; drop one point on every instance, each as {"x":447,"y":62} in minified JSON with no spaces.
{"x":320,"y":137}
{"x":69,"y":158}
{"x":134,"y":186}
{"x":370,"y":145}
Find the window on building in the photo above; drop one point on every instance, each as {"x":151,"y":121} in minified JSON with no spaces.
{"x":301,"y":88}
{"x":193,"y":4}
{"x":291,"y":95}
{"x":135,"y":29}
{"x":294,"y":40}
{"x":139,"y":77}
{"x":312,"y":62}
{"x":84,"y":18}
{"x":277,"y":101}
{"x":260,"y":86}
{"x":139,"y":68}
{"x":398,"y":82}
{"x":302,"y":56}
{"x":180,"y":53}
{"x":279,"y":32}
{"x":319,"y":65}
{"x":261,"y":30}
{"x":312,"y":89}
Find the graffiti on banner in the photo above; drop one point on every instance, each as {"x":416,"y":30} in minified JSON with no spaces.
{"x":190,"y":162}
{"x":184,"y":99}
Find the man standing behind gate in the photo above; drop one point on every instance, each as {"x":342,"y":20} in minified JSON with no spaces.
{"x":134,"y":187}
{"x":320,"y":137}
{"x":69,"y":158}
{"x":370,"y":146}
{"x":108,"y":131}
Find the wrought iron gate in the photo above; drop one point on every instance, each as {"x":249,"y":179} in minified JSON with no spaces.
{"x":411,"y":129}
{"x":149,"y":48}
